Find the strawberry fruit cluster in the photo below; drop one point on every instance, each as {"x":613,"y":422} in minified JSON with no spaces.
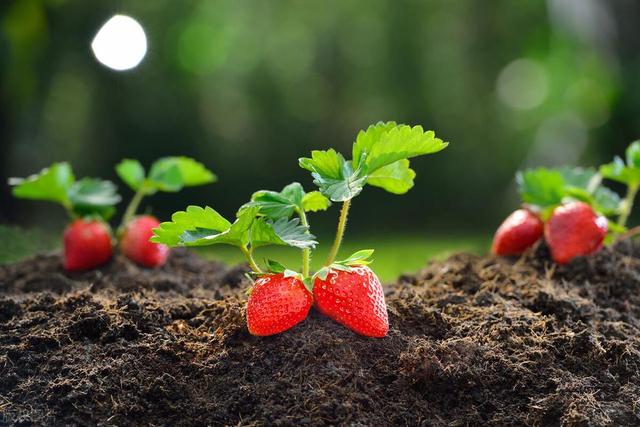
{"x":570,"y":209}
{"x":346,"y":291}
{"x":88,"y":241}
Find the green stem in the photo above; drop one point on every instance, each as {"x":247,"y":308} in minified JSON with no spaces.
{"x":627,"y":204}
{"x":306,"y":253}
{"x":132,"y":208}
{"x":252,"y":263}
{"x":342,"y":223}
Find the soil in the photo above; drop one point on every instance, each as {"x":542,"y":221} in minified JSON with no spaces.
{"x":473,"y":340}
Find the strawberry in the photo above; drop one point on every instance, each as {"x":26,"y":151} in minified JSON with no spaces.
{"x":517,"y":233}
{"x":136,"y":246}
{"x":355,"y":299}
{"x":87,"y":245}
{"x":574,"y":230}
{"x":277,"y":303}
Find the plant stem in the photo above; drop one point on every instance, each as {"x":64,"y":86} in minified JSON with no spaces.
{"x":627,"y":204}
{"x":306,"y":253}
{"x":342,"y":223}
{"x":132,"y":208}
{"x":252,"y":263}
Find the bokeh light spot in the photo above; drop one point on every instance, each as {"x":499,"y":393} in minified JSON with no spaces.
{"x":120,"y":44}
{"x":523,"y":84}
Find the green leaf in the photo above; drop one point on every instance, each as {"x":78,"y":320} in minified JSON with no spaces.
{"x":238,"y":234}
{"x":396,"y":178}
{"x":386,"y":143}
{"x":633,"y":155}
{"x":380,"y":158}
{"x":164,"y":176}
{"x":606,"y":201}
{"x":193,"y":218}
{"x":51,"y":184}
{"x":577,"y":177}
{"x":314,"y":201}
{"x":334,"y":176}
{"x":92,"y":196}
{"x":278,"y":205}
{"x":281,"y":232}
{"x":361,"y":257}
{"x":618,"y":171}
{"x":192,"y":172}
{"x":131,"y":172}
{"x":541,"y":187}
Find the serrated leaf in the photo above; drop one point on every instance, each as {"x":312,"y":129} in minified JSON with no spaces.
{"x":92,"y":196}
{"x":131,"y":172}
{"x":164,"y":176}
{"x":541,"y":187}
{"x":277,"y":205}
{"x":385,"y":143}
{"x":314,"y":201}
{"x":238,"y":234}
{"x":281,"y":232}
{"x":194,"y":218}
{"x":51,"y":184}
{"x":396,"y":178}
{"x":334,"y":176}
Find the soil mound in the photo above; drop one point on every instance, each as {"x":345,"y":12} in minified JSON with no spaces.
{"x":473,"y":340}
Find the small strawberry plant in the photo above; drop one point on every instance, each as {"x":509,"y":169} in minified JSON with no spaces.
{"x":347,"y":291}
{"x":90,"y":202}
{"x":571,"y":208}
{"x":169,"y":174}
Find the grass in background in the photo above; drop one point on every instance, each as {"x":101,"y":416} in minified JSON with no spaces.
{"x":394,"y":254}
{"x":17,"y":243}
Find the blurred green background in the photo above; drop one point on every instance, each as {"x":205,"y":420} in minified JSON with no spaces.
{"x":247,"y":87}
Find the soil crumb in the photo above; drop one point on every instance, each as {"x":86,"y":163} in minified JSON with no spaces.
{"x":473,"y":340}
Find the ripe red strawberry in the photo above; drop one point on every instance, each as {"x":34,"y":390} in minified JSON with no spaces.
{"x":87,"y":245}
{"x":573,"y":230}
{"x":277,"y":303}
{"x":517,"y":233}
{"x":355,"y":299}
{"x":136,"y":246}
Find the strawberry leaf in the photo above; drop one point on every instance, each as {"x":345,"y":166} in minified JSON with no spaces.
{"x":633,"y":155}
{"x":283,"y":204}
{"x":333,"y":175}
{"x":51,"y":184}
{"x":385,"y":143}
{"x":314,"y":201}
{"x":281,"y":232}
{"x":396,"y":178}
{"x":131,"y":172}
{"x":618,"y":171}
{"x":541,"y":187}
{"x":192,"y":173}
{"x":193,"y":218}
{"x":91,"y":196}
{"x":380,"y":158}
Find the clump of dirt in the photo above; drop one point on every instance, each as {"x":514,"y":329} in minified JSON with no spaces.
{"x":473,"y":340}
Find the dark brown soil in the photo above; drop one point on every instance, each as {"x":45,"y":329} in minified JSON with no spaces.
{"x":473,"y":340}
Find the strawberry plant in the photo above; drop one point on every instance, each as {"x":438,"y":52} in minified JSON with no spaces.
{"x":628,"y":174}
{"x":169,"y":174}
{"x":569,"y":206}
{"x":347,"y":291}
{"x":89,"y":202}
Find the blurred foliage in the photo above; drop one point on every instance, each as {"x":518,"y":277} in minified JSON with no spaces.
{"x":248,"y":87}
